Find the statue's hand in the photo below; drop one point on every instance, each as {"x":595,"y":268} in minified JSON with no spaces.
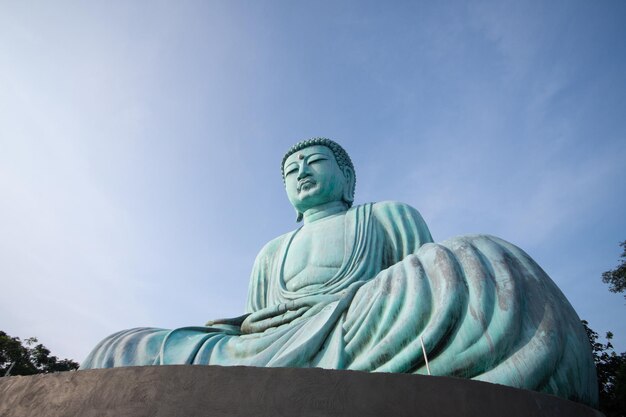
{"x":234,"y":321}
{"x":286,"y":312}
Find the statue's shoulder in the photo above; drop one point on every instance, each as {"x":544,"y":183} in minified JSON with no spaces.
{"x":401,"y":220}
{"x":271,"y":248}
{"x":387,"y":208}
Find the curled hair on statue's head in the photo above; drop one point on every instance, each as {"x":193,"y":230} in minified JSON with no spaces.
{"x":342,"y":158}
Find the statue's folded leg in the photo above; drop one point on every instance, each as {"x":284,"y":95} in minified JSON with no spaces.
{"x":484,"y":310}
{"x":134,"y":347}
{"x":150,"y":346}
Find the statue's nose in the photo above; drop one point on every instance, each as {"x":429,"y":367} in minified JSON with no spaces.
{"x":303,"y":171}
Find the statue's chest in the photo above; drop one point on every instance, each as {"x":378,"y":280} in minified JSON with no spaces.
{"x":315,"y":253}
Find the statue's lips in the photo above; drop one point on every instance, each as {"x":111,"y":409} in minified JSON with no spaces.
{"x":302,"y":183}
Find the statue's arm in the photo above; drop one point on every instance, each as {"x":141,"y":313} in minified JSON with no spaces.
{"x":404,"y":228}
{"x":257,"y":292}
{"x":261,"y":274}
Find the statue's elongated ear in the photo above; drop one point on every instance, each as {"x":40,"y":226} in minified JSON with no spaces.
{"x":348,"y":189}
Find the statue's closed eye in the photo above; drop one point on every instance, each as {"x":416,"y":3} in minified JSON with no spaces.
{"x":316,"y":159}
{"x":292,"y":168}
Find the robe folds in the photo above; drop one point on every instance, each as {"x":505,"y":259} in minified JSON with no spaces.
{"x":481,"y":306}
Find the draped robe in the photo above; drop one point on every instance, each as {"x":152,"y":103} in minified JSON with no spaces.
{"x":481,"y":306}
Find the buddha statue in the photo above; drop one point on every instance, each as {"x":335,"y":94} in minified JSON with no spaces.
{"x":366,"y":288}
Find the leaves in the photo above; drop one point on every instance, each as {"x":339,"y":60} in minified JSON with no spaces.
{"x":616,"y":278}
{"x":29,"y":358}
{"x":611,"y":370}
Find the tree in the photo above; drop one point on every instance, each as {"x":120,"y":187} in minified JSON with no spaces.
{"x":610,"y":366}
{"x":29,"y":357}
{"x":611,"y":370}
{"x":616,"y":278}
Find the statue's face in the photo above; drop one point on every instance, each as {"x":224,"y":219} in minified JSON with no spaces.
{"x":313,"y":178}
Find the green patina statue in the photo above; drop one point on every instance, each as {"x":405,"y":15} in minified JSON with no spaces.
{"x":365,"y":288}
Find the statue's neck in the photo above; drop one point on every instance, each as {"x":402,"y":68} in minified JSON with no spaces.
{"x":324,"y":210}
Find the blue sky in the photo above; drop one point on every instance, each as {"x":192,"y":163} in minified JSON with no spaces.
{"x":140,"y":144}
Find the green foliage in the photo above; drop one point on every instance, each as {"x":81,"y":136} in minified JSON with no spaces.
{"x":616,"y":278}
{"x":611,"y":369}
{"x":610,"y":366}
{"x":29,"y":357}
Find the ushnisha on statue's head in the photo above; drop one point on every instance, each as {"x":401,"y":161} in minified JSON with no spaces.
{"x":318,"y":173}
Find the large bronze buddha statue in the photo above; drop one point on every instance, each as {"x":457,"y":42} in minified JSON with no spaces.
{"x":362,"y":287}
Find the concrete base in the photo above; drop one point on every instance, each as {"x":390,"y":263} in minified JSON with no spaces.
{"x":243,"y":391}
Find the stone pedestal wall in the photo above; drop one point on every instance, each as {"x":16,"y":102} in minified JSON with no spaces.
{"x":244,"y":391}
